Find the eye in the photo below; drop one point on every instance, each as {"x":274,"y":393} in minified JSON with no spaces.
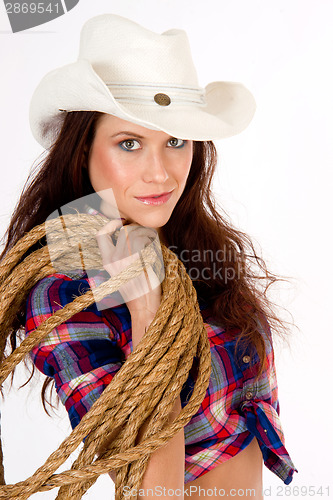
{"x":129,"y":145}
{"x":176,"y":143}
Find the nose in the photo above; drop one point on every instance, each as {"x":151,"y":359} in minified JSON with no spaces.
{"x":156,"y":168}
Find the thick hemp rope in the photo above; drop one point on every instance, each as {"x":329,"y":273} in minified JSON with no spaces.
{"x":145,"y":387}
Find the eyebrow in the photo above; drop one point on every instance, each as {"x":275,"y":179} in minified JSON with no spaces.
{"x":130,"y":134}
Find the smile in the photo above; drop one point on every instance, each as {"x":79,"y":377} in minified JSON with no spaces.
{"x":155,"y":200}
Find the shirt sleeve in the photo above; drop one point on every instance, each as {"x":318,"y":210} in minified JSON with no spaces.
{"x":82,"y":354}
{"x":237,"y":407}
{"x":261,"y":411}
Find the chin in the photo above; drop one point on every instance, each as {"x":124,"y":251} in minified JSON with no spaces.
{"x":152,"y":220}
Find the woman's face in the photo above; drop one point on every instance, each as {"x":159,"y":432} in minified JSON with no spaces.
{"x":138,"y":163}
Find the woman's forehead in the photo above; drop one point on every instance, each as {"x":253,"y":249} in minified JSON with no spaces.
{"x":116,"y":126}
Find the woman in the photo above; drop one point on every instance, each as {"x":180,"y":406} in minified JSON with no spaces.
{"x":129,"y":116}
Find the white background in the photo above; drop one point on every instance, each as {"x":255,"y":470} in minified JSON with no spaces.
{"x":274,"y":180}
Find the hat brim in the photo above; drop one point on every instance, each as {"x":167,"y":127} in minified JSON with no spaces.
{"x":228,"y":109}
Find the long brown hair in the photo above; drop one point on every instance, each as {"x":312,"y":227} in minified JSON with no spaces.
{"x":221,"y":260}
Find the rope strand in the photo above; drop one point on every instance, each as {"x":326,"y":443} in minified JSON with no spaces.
{"x":161,"y":363}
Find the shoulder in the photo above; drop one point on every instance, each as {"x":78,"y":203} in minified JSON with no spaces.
{"x":56,"y":290}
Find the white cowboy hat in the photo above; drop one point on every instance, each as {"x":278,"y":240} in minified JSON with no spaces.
{"x":146,"y":78}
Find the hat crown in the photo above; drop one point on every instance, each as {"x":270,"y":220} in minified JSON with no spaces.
{"x":122,"y":51}
{"x":146,"y":78}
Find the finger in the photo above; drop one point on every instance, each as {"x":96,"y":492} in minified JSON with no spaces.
{"x":105,"y":242}
{"x":110,"y":227}
{"x":137,"y":237}
{"x":106,"y":247}
{"x":133,"y":239}
{"x":134,"y":232}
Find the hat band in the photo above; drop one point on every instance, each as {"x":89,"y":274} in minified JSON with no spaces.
{"x":145,"y":93}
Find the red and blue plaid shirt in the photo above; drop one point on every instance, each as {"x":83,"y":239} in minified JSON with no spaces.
{"x":85,"y":352}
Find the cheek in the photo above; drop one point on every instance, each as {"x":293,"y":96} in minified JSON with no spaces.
{"x":104,"y":170}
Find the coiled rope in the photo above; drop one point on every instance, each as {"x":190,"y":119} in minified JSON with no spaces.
{"x":145,"y":387}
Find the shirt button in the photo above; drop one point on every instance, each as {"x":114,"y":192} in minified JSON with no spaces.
{"x":249,"y":395}
{"x":246,"y":359}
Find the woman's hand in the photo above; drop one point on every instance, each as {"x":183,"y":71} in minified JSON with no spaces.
{"x":143,"y":293}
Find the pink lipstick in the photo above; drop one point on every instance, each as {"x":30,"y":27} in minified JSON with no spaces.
{"x":155,"y":199}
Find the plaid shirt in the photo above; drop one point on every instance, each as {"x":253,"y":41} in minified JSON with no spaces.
{"x":85,"y":352}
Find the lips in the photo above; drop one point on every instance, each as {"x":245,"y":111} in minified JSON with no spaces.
{"x":155,"y":199}
{"x":153,"y":195}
